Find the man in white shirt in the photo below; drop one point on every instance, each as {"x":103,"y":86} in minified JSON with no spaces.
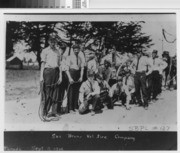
{"x":75,"y":71}
{"x":92,"y":64}
{"x":158,"y":65}
{"x":89,"y":94}
{"x":142,"y":66}
{"x":51,"y":77}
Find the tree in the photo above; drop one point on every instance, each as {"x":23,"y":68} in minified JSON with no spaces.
{"x":12,"y":36}
{"x":125,"y":36}
{"x":34,"y":33}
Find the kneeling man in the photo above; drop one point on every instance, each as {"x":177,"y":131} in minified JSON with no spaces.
{"x":117,"y":91}
{"x":89,"y":94}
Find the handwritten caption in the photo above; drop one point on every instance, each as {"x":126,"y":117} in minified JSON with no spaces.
{"x":149,"y":128}
{"x":92,"y":136}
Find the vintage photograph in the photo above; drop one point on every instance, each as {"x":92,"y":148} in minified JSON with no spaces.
{"x":90,"y":72}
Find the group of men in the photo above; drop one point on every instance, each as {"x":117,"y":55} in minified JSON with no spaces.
{"x":138,"y":81}
{"x":91,"y":86}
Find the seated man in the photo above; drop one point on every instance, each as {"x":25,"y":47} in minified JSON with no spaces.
{"x":117,"y":91}
{"x":104,"y":91}
{"x":89,"y":94}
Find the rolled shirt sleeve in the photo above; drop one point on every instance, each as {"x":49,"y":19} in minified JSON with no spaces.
{"x":83,"y":60}
{"x":96,"y":88}
{"x":82,"y":88}
{"x":44,"y":55}
{"x":81,"y":93}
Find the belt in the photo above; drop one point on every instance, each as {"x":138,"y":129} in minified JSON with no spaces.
{"x":51,"y":68}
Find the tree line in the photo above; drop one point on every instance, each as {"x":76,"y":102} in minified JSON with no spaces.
{"x":125,"y":36}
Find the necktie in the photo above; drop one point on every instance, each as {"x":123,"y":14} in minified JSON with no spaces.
{"x":91,"y":86}
{"x":101,"y":85}
{"x":137,"y":63}
{"x":153,"y":61}
{"x":77,"y":60}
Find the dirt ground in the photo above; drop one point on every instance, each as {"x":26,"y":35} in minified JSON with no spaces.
{"x":21,"y":84}
{"x":22,"y":104}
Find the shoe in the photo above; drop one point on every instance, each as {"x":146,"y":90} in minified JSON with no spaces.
{"x":51,"y":118}
{"x":128,"y":107}
{"x":112,"y":107}
{"x":45,"y":119}
{"x":76,"y":110}
{"x":140,"y":104}
{"x":92,"y":113}
{"x":72,"y":112}
{"x":154,"y":100}
{"x":146,"y":107}
{"x":50,"y":115}
{"x":53,"y":115}
{"x":57,"y":115}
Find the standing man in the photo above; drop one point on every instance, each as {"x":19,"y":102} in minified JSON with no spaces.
{"x":75,"y":71}
{"x":89,"y":94}
{"x":92,"y":64}
{"x":158,"y":65}
{"x":51,"y":77}
{"x":141,"y":63}
{"x":106,"y":71}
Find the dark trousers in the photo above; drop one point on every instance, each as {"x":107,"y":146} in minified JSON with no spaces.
{"x":95,"y":101}
{"x":73,"y":92}
{"x":112,"y":82}
{"x":133,"y":98}
{"x":63,"y":88}
{"x":122,"y":96}
{"x":172,"y":76}
{"x":106,"y":99}
{"x":140,"y":85}
{"x":85,"y":74}
{"x":154,"y":86}
{"x":52,"y":91}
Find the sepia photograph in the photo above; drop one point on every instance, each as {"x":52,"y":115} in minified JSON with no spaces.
{"x":91,"y":72}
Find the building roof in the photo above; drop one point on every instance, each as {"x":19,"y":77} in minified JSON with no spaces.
{"x":12,"y":57}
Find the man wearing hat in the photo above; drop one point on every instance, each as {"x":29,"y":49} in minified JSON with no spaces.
{"x":89,"y":94}
{"x":51,"y":77}
{"x":166,"y":57}
{"x":142,"y":67}
{"x":158,"y":65}
{"x":75,"y":71}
